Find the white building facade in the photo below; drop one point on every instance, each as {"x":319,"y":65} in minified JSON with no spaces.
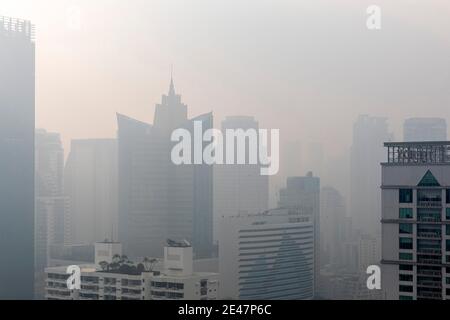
{"x":416,"y":221}
{"x":176,"y":280}
{"x":267,"y":256}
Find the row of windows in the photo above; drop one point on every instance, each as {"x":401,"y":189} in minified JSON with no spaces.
{"x":407,"y":213}
{"x":406,"y":196}
{"x":407,"y":228}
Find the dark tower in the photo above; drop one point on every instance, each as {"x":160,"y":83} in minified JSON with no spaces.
{"x":17,"y":79}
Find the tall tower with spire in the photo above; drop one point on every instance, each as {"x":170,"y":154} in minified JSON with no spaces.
{"x":157,"y":199}
{"x":171,"y":112}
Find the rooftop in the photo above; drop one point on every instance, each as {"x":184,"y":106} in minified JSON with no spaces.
{"x":418,"y":152}
{"x":17,"y":28}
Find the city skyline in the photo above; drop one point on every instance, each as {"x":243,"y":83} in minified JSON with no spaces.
{"x":347,"y":86}
{"x":159,"y":150}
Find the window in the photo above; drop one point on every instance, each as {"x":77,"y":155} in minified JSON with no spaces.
{"x":447,"y":229}
{"x":447,"y":280}
{"x":406,"y":213}
{"x":405,"y":256}
{"x":405,"y":228}
{"x":447,"y":213}
{"x":406,"y":243}
{"x":406,"y":288}
{"x":405,"y":298}
{"x":429,"y":197}
{"x":406,"y":277}
{"x":447,"y":245}
{"x":447,"y":195}
{"x":405,"y":267}
{"x":405,"y":196}
{"x":447,"y":259}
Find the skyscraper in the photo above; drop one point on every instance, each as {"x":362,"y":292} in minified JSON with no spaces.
{"x":425,"y":129}
{"x":158,"y":199}
{"x":332,"y":226}
{"x":302,"y":195}
{"x":50,"y":205}
{"x":416,"y":221}
{"x":369,"y":134}
{"x":267,"y":256}
{"x":239,"y":188}
{"x":17,"y":100}
{"x":90,"y":182}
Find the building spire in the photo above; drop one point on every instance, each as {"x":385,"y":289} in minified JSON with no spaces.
{"x":172,"y":86}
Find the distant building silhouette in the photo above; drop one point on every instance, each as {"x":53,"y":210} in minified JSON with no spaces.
{"x":90,"y":183}
{"x":333,"y":222}
{"x":302,"y":196}
{"x":51,"y":207}
{"x":157,"y":199}
{"x":369,"y":134}
{"x":425,"y":129}
{"x":239,"y":188}
{"x":17,"y":100}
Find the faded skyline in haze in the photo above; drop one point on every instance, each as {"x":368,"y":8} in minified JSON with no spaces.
{"x":297,"y":66}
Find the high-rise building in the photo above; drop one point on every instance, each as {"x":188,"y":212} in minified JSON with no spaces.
{"x":332,"y":227}
{"x":267,"y":256}
{"x":416,"y":221}
{"x":425,"y":129}
{"x":51,"y":207}
{"x":90,"y":183}
{"x":302,"y":195}
{"x":158,"y":199}
{"x":239,"y":188}
{"x":369,"y":134}
{"x":17,"y":101}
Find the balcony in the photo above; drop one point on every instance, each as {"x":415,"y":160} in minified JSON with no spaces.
{"x":429,"y":261}
{"x":429,"y":219}
{"x":429,"y":251}
{"x":429,"y":295}
{"x":427,"y":273}
{"x":429,"y":204}
{"x":430,"y":284}
{"x":429,"y":235}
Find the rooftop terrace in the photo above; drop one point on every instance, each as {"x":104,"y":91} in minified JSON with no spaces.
{"x":422,"y":152}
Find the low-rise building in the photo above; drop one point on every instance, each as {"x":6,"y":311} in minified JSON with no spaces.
{"x":117,"y":278}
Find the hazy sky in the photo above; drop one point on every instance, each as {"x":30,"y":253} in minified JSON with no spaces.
{"x":307,"y":67}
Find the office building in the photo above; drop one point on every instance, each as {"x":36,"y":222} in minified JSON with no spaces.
{"x":239,"y":188}
{"x":267,"y":256}
{"x":158,"y":199}
{"x":17,"y":102}
{"x":332,"y":227}
{"x":302,"y":195}
{"x":369,"y":134}
{"x":51,"y":207}
{"x":416,"y":221}
{"x":90,"y":182}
